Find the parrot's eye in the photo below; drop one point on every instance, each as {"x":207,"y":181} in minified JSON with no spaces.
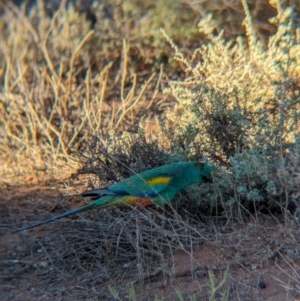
{"x":206,"y":179}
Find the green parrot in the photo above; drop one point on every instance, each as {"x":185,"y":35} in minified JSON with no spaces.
{"x":157,"y":186}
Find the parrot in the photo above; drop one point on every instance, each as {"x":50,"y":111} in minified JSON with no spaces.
{"x":156,"y":186}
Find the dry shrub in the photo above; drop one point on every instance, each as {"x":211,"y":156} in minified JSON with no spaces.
{"x":240,"y":105}
{"x":241,"y":96}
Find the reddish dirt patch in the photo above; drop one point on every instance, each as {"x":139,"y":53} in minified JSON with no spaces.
{"x":263,"y":254}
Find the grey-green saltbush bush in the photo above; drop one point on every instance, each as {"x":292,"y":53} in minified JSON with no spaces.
{"x":240,"y":107}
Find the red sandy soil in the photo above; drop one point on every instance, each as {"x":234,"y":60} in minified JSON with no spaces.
{"x":264,"y":253}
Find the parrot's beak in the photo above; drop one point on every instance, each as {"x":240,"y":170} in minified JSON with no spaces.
{"x":210,"y":179}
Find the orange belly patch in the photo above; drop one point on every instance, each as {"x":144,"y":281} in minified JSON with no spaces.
{"x":139,"y":202}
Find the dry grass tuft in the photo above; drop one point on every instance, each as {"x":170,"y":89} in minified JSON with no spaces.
{"x":60,"y":86}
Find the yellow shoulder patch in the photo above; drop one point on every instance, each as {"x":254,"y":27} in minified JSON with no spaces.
{"x":159,"y":180}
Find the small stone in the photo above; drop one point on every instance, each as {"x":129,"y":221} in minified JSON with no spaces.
{"x":43,"y":264}
{"x":261,"y":284}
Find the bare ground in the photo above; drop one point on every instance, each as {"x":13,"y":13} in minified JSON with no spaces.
{"x":263,"y":256}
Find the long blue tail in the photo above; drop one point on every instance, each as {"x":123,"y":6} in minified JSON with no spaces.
{"x":78,"y":210}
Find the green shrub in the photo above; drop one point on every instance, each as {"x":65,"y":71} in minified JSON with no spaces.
{"x":240,"y":107}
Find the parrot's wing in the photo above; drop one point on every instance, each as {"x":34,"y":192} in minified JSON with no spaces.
{"x":143,"y":187}
{"x":96,"y":193}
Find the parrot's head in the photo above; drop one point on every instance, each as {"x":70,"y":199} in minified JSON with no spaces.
{"x":206,"y":172}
